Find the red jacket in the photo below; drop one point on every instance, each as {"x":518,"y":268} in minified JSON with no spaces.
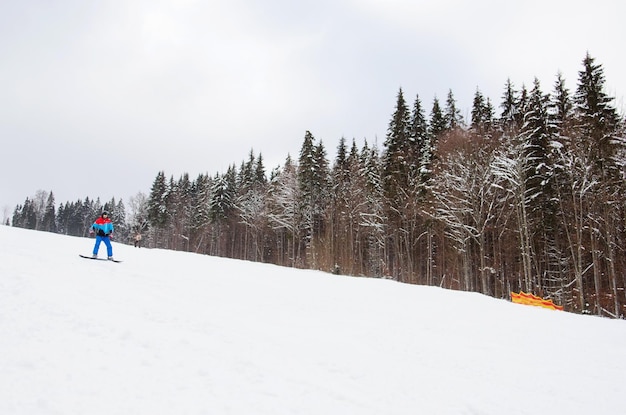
{"x":103,"y":226}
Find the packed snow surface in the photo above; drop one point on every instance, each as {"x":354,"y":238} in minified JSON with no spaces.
{"x":178,"y":333}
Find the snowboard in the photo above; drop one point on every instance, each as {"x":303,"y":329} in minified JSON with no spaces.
{"x":99,"y":259}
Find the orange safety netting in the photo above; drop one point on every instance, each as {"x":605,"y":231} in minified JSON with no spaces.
{"x":530,"y":299}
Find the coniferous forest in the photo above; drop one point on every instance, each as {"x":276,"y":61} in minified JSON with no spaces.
{"x":529,"y":195}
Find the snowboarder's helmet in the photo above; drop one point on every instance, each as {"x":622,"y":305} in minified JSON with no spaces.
{"x":105,"y":213}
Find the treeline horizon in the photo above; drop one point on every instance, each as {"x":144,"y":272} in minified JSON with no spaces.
{"x":532,"y":200}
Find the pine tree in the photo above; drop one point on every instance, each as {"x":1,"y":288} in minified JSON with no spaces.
{"x":452,"y":114}
{"x":510,"y":109}
{"x":418,"y":125}
{"x":419,"y":152}
{"x":560,"y":106}
{"x":540,"y":194}
{"x":478,"y":113}
{"x":438,"y":122}
{"x":200,"y":201}
{"x":29,"y":215}
{"x":489,"y":118}
{"x":536,"y":135}
{"x":339,"y":210}
{"x":305,"y":172}
{"x":313,"y":179}
{"x":373,"y":218}
{"x":246,"y":175}
{"x":340,"y":167}
{"x":395,"y":162}
{"x":157,"y":208}
{"x":321,"y":179}
{"x":306,"y":167}
{"x":251,"y":209}
{"x":223,"y":195}
{"x":121,"y":228}
{"x":179,"y":211}
{"x":49,"y":217}
{"x":438,"y":127}
{"x":596,"y":118}
{"x":482,"y":115}
{"x":260,"y":178}
{"x":16,"y":220}
{"x":601,"y":144}
{"x":522,"y":106}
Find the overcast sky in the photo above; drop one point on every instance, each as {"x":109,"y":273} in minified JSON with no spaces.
{"x":96,"y":97}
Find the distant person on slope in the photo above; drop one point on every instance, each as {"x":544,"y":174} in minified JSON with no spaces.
{"x":138,"y":240}
{"x":103,"y":228}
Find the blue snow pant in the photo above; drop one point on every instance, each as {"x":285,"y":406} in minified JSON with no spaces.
{"x":107,"y":242}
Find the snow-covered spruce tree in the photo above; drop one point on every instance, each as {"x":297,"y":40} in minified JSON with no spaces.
{"x":597,"y":120}
{"x":510,"y":167}
{"x":305,"y":169}
{"x":341,"y":237}
{"x":420,"y":232}
{"x":510,"y":117}
{"x":420,"y":149}
{"x":597,"y":138}
{"x":442,"y":126}
{"x":60,"y":213}
{"x":74,"y":217}
{"x":438,"y":123}
{"x":82,"y":212}
{"x":395,"y":180}
{"x":221,"y":208}
{"x":15,"y":217}
{"x":314,"y":181}
{"x":250,"y":206}
{"x":24,"y":216}
{"x":117,"y":212}
{"x":201,"y":218}
{"x":323,"y":192}
{"x":285,"y":214}
{"x":28,"y":214}
{"x":89,"y":211}
{"x":179,"y":212}
{"x":409,"y":151}
{"x":355,"y":191}
{"x":64,"y":215}
{"x":395,"y":162}
{"x":537,"y":144}
{"x":452,"y":114}
{"x":171,"y":201}
{"x":561,"y":106}
{"x":482,"y":116}
{"x":48,"y":223}
{"x":62,"y":219}
{"x":372,"y":219}
{"x":349,"y":202}
{"x":560,"y":123}
{"x":157,"y":210}
{"x":246,"y":174}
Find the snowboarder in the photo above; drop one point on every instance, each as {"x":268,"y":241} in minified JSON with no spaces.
{"x":103,"y":228}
